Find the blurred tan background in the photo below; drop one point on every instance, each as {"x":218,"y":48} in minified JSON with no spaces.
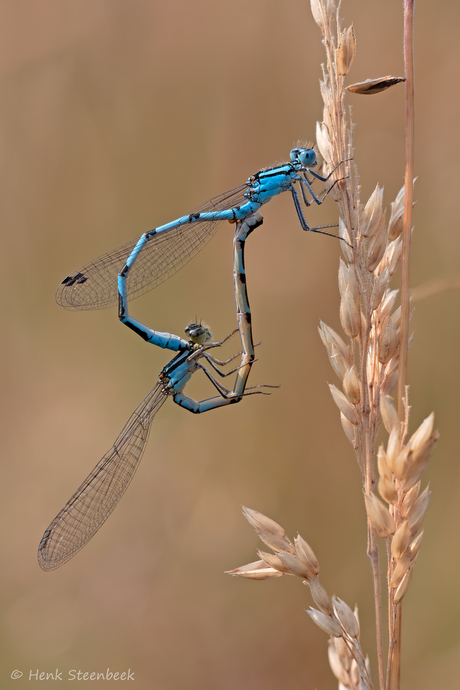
{"x":117,"y":116}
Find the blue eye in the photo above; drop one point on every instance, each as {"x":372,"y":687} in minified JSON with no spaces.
{"x":305,"y":156}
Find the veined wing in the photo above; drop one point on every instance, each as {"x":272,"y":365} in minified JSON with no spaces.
{"x":97,"y":497}
{"x":94,"y":285}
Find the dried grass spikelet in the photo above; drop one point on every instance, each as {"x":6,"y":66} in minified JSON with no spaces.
{"x":293,"y":559}
{"x":415,"y":546}
{"x":339,"y":354}
{"x":391,"y":257}
{"x":389,"y":414}
{"x":377,"y":245}
{"x":400,"y":569}
{"x":401,"y":591}
{"x":344,"y":235}
{"x":343,"y":404}
{"x":417,"y":513}
{"x":349,"y":429}
{"x":346,"y":617}
{"x":380,"y":287}
{"x":306,"y":554}
{"x":295,"y":566}
{"x":393,"y":449}
{"x":372,"y":86}
{"x":401,"y":540}
{"x":350,"y":315}
{"x":352,"y":386}
{"x":395,"y":225}
{"x":381,"y":519}
{"x":387,"y":489}
{"x":409,"y":500}
{"x":325,"y":622}
{"x":323,"y":141}
{"x":275,"y":562}
{"x":255,"y":571}
{"x":372,"y":213}
{"x":269,"y":531}
{"x":346,"y":50}
{"x":335,"y":662}
{"x":321,"y":598}
{"x":334,"y":616}
{"x":389,"y":342}
{"x":382,"y":463}
{"x":401,"y":466}
{"x":347,"y":279}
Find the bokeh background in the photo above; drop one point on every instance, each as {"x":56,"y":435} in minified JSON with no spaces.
{"x":120,"y":115}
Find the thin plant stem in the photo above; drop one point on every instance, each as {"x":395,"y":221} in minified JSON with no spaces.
{"x":394,"y":670}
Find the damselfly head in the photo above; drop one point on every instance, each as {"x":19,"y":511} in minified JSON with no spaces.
{"x":307,"y":157}
{"x":198,"y":332}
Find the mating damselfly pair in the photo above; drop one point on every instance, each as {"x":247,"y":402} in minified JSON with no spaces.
{"x":132,"y":270}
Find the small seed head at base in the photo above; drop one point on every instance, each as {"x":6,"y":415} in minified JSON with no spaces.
{"x":346,"y":51}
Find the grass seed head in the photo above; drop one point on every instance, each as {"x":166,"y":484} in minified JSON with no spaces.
{"x":346,"y":51}
{"x":401,"y":540}
{"x":325,"y":622}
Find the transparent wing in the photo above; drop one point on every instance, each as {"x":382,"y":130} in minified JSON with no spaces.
{"x":97,"y":497}
{"x":94,"y":285}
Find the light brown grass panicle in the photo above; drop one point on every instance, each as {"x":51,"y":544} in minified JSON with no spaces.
{"x":333,"y":615}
